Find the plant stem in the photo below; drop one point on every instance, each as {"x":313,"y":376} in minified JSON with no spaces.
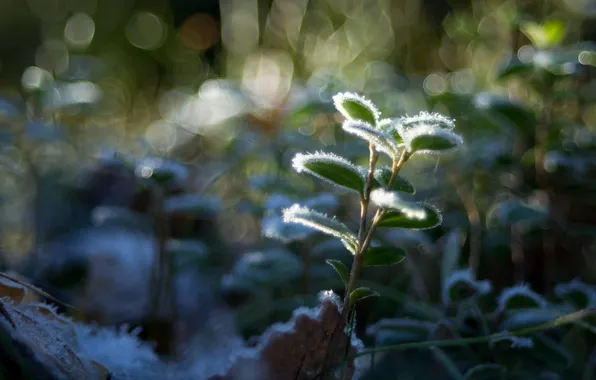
{"x":362,"y":235}
{"x":364,"y":240}
{"x":561,"y":321}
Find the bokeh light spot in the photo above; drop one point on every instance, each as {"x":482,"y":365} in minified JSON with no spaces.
{"x":200,"y":31}
{"x":35,"y":78}
{"x":146,"y":31}
{"x":434,"y":84}
{"x":79,"y":31}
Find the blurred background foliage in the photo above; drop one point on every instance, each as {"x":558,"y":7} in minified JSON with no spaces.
{"x":154,"y":137}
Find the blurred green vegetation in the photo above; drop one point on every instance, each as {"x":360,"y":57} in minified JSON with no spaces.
{"x":226,"y":92}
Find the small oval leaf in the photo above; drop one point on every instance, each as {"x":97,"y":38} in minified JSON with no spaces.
{"x":361,"y":293}
{"x":356,"y":107}
{"x":383,"y":175}
{"x":400,"y":219}
{"x":382,"y":142}
{"x":431,"y":140}
{"x":341,"y":270}
{"x":309,"y":218}
{"x":513,"y":212}
{"x":379,"y":256}
{"x":330,"y":168}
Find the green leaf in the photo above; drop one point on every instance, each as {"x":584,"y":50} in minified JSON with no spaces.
{"x":513,"y":212}
{"x":383,"y":175}
{"x":330,"y":168}
{"x":544,"y":36}
{"x":400,"y":219}
{"x":356,"y":107}
{"x":431,"y":140}
{"x":379,"y":256}
{"x":360,"y":294}
{"x":382,"y":142}
{"x":309,"y":218}
{"x":341,"y":270}
{"x":388,"y":126}
{"x":507,"y":114}
{"x":486,"y":372}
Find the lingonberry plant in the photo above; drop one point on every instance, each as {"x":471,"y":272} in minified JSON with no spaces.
{"x":377,"y":186}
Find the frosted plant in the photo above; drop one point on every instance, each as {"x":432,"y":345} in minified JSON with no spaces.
{"x":462,"y":284}
{"x":399,"y":139}
{"x":520,"y":297}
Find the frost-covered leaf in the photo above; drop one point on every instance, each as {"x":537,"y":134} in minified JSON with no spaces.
{"x":520,"y":297}
{"x":391,"y":200}
{"x":431,"y":139}
{"x":382,"y":142}
{"x":330,"y":226}
{"x":577,"y":293}
{"x":274,"y":227}
{"x":462,"y":285}
{"x":341,"y":270}
{"x":193,"y":204}
{"x":486,"y":372}
{"x":355,"y":107}
{"x":331,"y":168}
{"x":505,"y":112}
{"x":389,"y":127}
{"x":386,"y":255}
{"x":383,"y":176}
{"x":508,"y":349}
{"x":269,"y":267}
{"x":403,"y":214}
{"x":362,"y":293}
{"x":424,"y":119}
{"x":512,"y":212}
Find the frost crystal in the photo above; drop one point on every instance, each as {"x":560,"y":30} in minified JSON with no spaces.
{"x":382,"y":141}
{"x":340,"y":98}
{"x":426,"y":119}
{"x":331,"y":226}
{"x":300,"y":161}
{"x":410,"y":134}
{"x":520,"y":291}
{"x":390,"y":199}
{"x":467,"y":277}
